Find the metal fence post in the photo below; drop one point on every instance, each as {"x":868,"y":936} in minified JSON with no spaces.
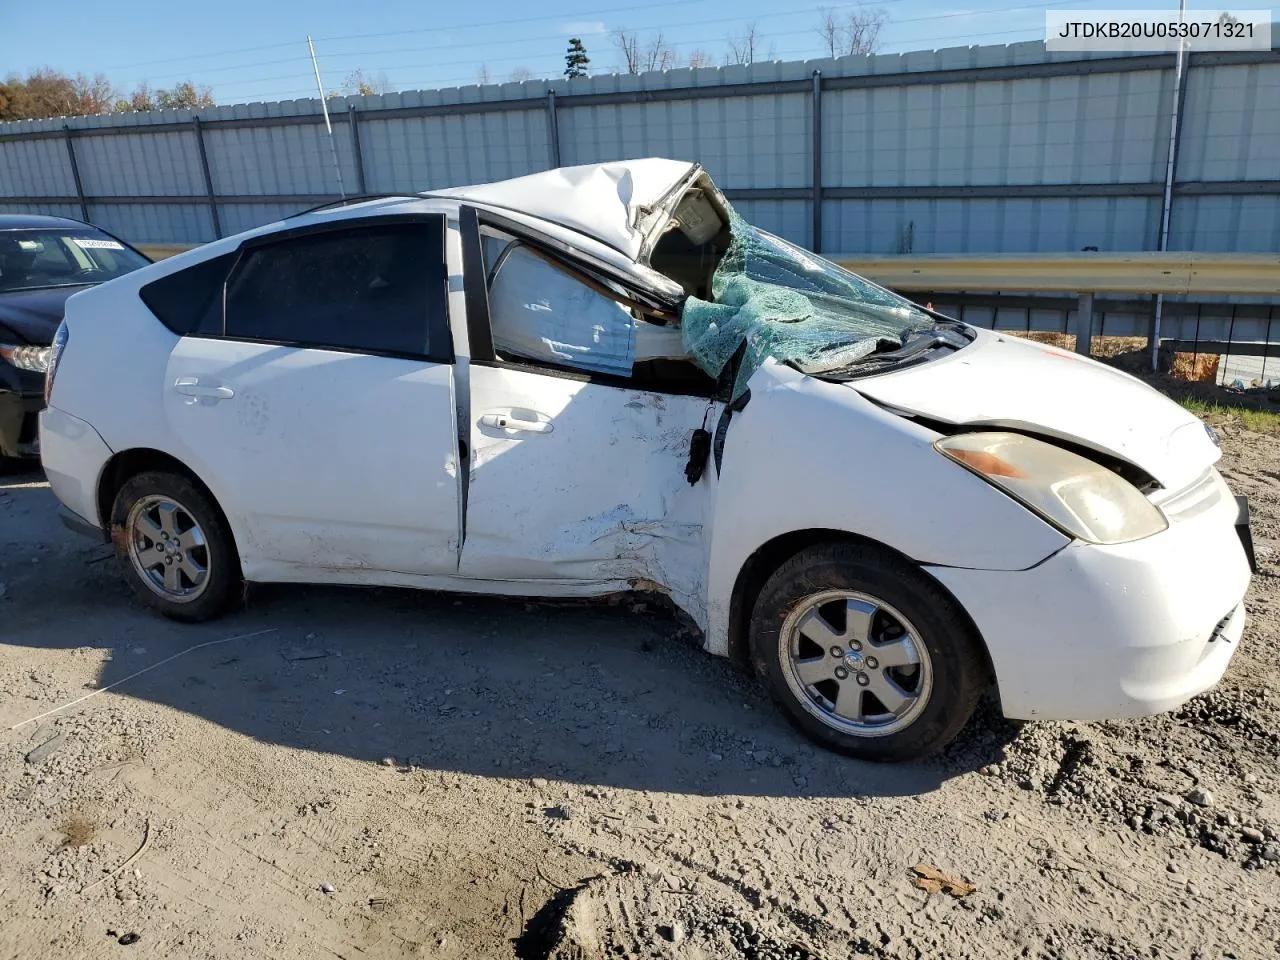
{"x":553,"y":129}
{"x":1084,"y":324}
{"x":354,"y":122}
{"x":816,"y":147}
{"x":75,"y":173}
{"x":208,"y":178}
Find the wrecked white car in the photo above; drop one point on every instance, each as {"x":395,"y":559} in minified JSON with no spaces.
{"x":599,"y":379}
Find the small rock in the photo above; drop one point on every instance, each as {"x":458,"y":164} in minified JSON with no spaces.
{"x":1199,"y":796}
{"x":538,"y":783}
{"x":1270,"y":853}
{"x":1250,"y":835}
{"x":995,"y":816}
{"x":561,"y":812}
{"x":1192,"y":889}
{"x":129,"y":938}
{"x":1168,"y":799}
{"x":326,"y":888}
{"x":1171,"y":867}
{"x":388,"y":761}
{"x":990,"y":770}
{"x":46,"y":749}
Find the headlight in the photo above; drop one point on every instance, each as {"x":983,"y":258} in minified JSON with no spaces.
{"x":1079,"y":497}
{"x":35,"y":359}
{"x":60,"y":338}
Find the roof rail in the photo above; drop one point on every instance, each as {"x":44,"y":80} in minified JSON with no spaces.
{"x":346,"y":201}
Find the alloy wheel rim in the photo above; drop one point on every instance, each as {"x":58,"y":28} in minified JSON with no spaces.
{"x":855,"y":663}
{"x":168,"y":549}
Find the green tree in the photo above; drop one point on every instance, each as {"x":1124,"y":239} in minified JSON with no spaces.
{"x":576,"y":60}
{"x":184,"y":96}
{"x":49,"y":93}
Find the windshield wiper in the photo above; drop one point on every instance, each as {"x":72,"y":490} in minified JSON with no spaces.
{"x":912,"y":348}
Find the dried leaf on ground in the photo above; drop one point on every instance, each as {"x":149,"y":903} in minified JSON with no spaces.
{"x":933,"y":880}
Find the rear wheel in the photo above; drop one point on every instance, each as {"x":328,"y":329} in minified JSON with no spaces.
{"x":175,"y":547}
{"x":867,"y":655}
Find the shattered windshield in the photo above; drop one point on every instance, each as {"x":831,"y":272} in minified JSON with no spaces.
{"x":783,"y":302}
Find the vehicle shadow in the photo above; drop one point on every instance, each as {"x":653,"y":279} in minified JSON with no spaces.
{"x":614,"y":694}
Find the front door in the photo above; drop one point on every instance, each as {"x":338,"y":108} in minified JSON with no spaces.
{"x":323,"y":416}
{"x":577,"y":476}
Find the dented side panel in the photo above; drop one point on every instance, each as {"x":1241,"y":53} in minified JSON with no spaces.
{"x":595,"y":492}
{"x":811,"y":455}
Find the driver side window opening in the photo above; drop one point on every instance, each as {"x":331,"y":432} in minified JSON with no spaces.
{"x":546,"y":313}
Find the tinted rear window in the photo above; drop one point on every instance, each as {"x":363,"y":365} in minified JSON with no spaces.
{"x":367,"y":289}
{"x":189,"y":302}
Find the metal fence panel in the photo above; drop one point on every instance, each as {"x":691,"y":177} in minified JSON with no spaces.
{"x":176,"y":222}
{"x":967,"y":149}
{"x":1232,"y":127}
{"x":35,"y":168}
{"x":144,"y":164}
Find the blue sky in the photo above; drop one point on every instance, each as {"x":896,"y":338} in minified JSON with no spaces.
{"x":256,"y":50}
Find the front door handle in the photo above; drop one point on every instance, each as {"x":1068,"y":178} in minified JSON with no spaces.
{"x":507,"y":421}
{"x":192,"y":387}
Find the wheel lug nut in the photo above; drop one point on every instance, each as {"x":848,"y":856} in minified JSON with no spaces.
{"x":841,"y":673}
{"x":872,"y":663}
{"x":837,"y":652}
{"x":863,"y":679}
{"x":855,"y":645}
{"x":168,"y":559}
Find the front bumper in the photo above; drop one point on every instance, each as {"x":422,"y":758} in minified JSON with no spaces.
{"x":1096,"y":632}
{"x":19,"y":424}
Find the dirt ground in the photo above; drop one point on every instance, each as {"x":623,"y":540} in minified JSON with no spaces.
{"x":388,"y":774}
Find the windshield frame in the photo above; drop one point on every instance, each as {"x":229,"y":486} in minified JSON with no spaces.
{"x":62,"y":234}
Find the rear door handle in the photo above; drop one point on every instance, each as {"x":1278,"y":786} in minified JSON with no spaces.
{"x":506,"y":421}
{"x":192,"y":387}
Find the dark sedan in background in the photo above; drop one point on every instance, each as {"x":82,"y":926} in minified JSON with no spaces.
{"x":43,"y":261}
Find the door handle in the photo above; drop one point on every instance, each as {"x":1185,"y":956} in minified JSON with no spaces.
{"x":192,"y":387}
{"x":506,"y":421}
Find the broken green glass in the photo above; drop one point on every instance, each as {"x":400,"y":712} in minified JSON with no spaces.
{"x":784,"y":302}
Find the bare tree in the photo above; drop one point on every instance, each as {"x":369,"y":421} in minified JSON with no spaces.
{"x":360,"y":84}
{"x":699,"y":58}
{"x":628,"y":44}
{"x":520,"y":74}
{"x":638,"y":57}
{"x":482,"y":74}
{"x":851,"y":32}
{"x":744,"y":47}
{"x":659,"y":55}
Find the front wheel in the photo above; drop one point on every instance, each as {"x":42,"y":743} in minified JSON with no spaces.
{"x":174,"y":545}
{"x":866,"y":653}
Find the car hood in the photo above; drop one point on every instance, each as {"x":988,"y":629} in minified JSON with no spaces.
{"x":1005,"y":382}
{"x":34,"y":315}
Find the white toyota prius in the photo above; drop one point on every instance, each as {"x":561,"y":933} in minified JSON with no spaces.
{"x":601,"y":378}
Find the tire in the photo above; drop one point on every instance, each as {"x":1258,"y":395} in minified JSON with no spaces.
{"x":832,"y":598}
{"x":175,"y":547}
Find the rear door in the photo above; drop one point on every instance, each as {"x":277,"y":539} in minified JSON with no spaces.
{"x":318,"y":402}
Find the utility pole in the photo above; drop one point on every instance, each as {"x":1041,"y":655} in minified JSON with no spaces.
{"x":324,"y":106}
{"x":1169,"y":172}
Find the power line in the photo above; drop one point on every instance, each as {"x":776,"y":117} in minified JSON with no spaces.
{"x":347,"y":54}
{"x":683,"y":44}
